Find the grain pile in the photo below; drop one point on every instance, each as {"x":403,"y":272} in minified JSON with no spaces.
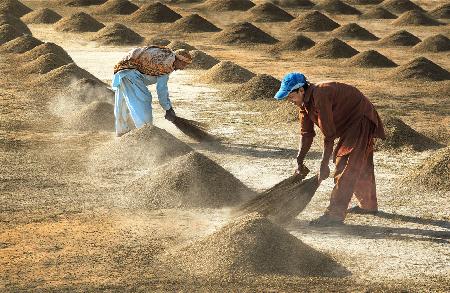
{"x":43,"y":64}
{"x":435,"y":44}
{"x":15,"y":22}
{"x":87,"y":90}
{"x":194,"y":23}
{"x":121,"y":7}
{"x":201,"y":60}
{"x":399,"y":136}
{"x":296,"y":43}
{"x":227,"y":72}
{"x":331,"y":49}
{"x":43,"y":49}
{"x":63,"y":76}
{"x":336,"y":7}
{"x":251,"y":245}
{"x":268,"y":12}
{"x":158,"y":41}
{"x":43,"y":15}
{"x":422,"y":69}
{"x":260,"y":87}
{"x":78,"y":22}
{"x":175,"y":45}
{"x":14,"y":7}
{"x":117,"y":34}
{"x":81,"y":3}
{"x":354,"y":31}
{"x":244,"y":33}
{"x":416,"y":17}
{"x":400,"y":38}
{"x":370,"y":59}
{"x":97,"y":116}
{"x":378,"y":13}
{"x":154,"y":13}
{"x":294,"y":3}
{"x":313,"y":22}
{"x":8,"y":33}
{"x":364,"y":2}
{"x":21,"y":44}
{"x":189,"y":181}
{"x":227,"y":5}
{"x":442,"y":11}
{"x":400,"y":6}
{"x":282,"y":112}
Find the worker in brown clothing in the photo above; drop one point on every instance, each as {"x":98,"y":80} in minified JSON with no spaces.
{"x":341,"y":112}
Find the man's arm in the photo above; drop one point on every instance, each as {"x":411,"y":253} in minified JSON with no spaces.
{"x":307,"y":137}
{"x":162,"y":91}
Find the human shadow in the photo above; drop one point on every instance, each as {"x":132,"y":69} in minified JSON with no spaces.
{"x":412,"y":219}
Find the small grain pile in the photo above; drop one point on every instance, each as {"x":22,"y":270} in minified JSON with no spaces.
{"x":226,"y":72}
{"x":370,"y":59}
{"x":201,"y":60}
{"x":97,"y":116}
{"x":268,"y":12}
{"x":120,"y":7}
{"x":378,"y":13}
{"x":46,"y":48}
{"x":8,"y":33}
{"x":251,"y":245}
{"x":332,"y":49}
{"x":194,"y":23}
{"x":88,"y":90}
{"x":78,"y":22}
{"x":364,"y":2}
{"x":63,"y":76}
{"x":416,"y":17}
{"x":400,"y":6}
{"x":399,"y":38}
{"x":337,"y":7}
{"x":354,"y":31}
{"x":81,"y":3}
{"x":422,"y":69}
{"x":226,"y":5}
{"x":117,"y":34}
{"x":43,"y":15}
{"x":154,"y":13}
{"x":435,"y":44}
{"x":294,"y":3}
{"x":14,"y":7}
{"x":313,"y":21}
{"x":283,"y":112}
{"x":20,"y":45}
{"x":43,"y":64}
{"x":260,"y":87}
{"x":158,"y":41}
{"x":442,"y":11}
{"x":244,"y":33}
{"x":296,"y":43}
{"x":15,"y":22}
{"x":399,"y":136}
{"x":175,"y":45}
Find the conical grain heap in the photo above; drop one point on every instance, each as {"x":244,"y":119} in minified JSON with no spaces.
{"x":354,"y":31}
{"x":260,"y":87}
{"x":14,"y":7}
{"x":121,"y":7}
{"x":314,"y":22}
{"x":227,"y":72}
{"x":43,"y":64}
{"x":378,"y":13}
{"x":297,"y":43}
{"x":293,"y":3}
{"x":227,"y":5}
{"x":194,"y":23}
{"x":15,"y":22}
{"x":78,"y":22}
{"x":97,"y":116}
{"x":82,"y":3}
{"x":8,"y":33}
{"x":43,"y":15}
{"x":158,"y":41}
{"x":400,"y":38}
{"x":176,"y":45}
{"x":154,"y":13}
{"x":268,"y":12}
{"x":421,"y":69}
{"x":442,"y":11}
{"x":244,"y":33}
{"x":201,"y":60}
{"x":63,"y":76}
{"x":336,"y":7}
{"x":21,"y":44}
{"x":44,"y":49}
{"x":364,"y":2}
{"x":416,"y":17}
{"x":400,"y":6}
{"x":331,"y":49}
{"x":117,"y":34}
{"x":435,"y":44}
{"x":370,"y":59}
{"x":86,"y":90}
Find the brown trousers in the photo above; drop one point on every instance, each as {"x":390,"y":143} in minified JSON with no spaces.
{"x":354,"y":172}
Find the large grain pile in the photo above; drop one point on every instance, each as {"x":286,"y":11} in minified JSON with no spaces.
{"x":189,"y":181}
{"x":400,"y":38}
{"x":117,"y":34}
{"x":314,"y":22}
{"x":226,"y":72}
{"x":294,"y":3}
{"x":437,"y":43}
{"x":251,"y":245}
{"x":15,"y":22}
{"x":260,"y":87}
{"x":442,"y":11}
{"x":122,"y":7}
{"x":97,"y":116}
{"x":244,"y":33}
{"x":336,"y":7}
{"x":268,"y":12}
{"x":227,"y":5}
{"x":400,"y":6}
{"x":14,"y":7}
{"x":21,"y":44}
{"x":296,"y":43}
{"x":422,"y":69}
{"x":416,"y":17}
{"x":370,"y":59}
{"x":154,"y":13}
{"x":364,"y":2}
{"x":45,"y":49}
{"x":78,"y":22}
{"x":87,"y":90}
{"x":331,"y":49}
{"x":201,"y":60}
{"x":378,"y":13}
{"x":194,"y":23}
{"x":43,"y":15}
{"x":175,"y":45}
{"x":43,"y":64}
{"x":63,"y":76}
{"x":81,"y":3}
{"x":354,"y":31}
{"x":8,"y":33}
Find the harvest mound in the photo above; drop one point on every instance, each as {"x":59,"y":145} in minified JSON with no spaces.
{"x":378,"y":13}
{"x":251,"y":245}
{"x":400,"y":38}
{"x":158,"y":41}
{"x":416,"y":17}
{"x":15,"y":22}
{"x":336,"y":7}
{"x":43,"y":15}
{"x":437,"y":43}
{"x":297,"y":43}
{"x":86,"y":90}
{"x":268,"y":12}
{"x":331,"y":49}
{"x":294,"y":3}
{"x":422,"y":69}
{"x":78,"y":22}
{"x":44,"y":64}
{"x":122,"y":7}
{"x":244,"y":33}
{"x":97,"y":116}
{"x":21,"y":44}
{"x":227,"y":72}
{"x":63,"y":76}
{"x":370,"y":59}
{"x":442,"y":11}
{"x":400,"y":6}
{"x":313,"y":22}
{"x":364,"y":2}
{"x":354,"y":31}
{"x":260,"y":87}
{"x":154,"y":13}
{"x":117,"y":34}
{"x":81,"y":3}
{"x":14,"y":7}
{"x":46,"y":48}
{"x":194,"y":23}
{"x":201,"y":60}
{"x":175,"y":45}
{"x":227,"y":5}
{"x":8,"y":33}
{"x":188,"y":181}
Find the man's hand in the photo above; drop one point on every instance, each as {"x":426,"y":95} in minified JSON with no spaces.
{"x":170,"y":115}
{"x":324,"y":171}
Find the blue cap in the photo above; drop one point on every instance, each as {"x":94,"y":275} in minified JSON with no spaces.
{"x":290,"y":82}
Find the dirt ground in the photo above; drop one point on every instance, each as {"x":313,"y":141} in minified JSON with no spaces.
{"x":62,"y":229}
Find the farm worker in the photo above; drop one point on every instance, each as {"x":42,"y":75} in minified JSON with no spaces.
{"x":341,"y":112}
{"x":138,"y":69}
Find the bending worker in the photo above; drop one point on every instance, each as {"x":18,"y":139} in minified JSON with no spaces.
{"x":138,"y":69}
{"x":341,"y":112}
